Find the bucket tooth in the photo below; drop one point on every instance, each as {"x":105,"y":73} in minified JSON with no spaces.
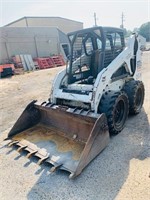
{"x":53,"y":169}
{"x":31,"y":153}
{"x":12,"y":143}
{"x":42,"y":160}
{"x":43,"y":155}
{"x":21,"y":148}
{"x":22,"y":144}
{"x":71,"y":175}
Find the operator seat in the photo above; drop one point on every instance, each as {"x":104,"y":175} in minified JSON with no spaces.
{"x":96,"y":66}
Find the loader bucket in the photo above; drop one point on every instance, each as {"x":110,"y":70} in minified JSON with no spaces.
{"x":67,"y":138}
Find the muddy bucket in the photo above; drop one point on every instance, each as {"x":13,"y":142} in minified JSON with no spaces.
{"x":65,"y":137}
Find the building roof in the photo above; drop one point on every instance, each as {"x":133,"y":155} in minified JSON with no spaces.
{"x":26,"y":17}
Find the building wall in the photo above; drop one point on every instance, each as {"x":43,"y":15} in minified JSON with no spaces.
{"x":37,"y":41}
{"x":65,"y":25}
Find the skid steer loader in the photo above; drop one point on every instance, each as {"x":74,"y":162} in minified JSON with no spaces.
{"x":90,"y":100}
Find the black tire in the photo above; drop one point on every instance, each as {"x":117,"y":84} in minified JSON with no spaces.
{"x":136,"y":92}
{"x":116,"y":107}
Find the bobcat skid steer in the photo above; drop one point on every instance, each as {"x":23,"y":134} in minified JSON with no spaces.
{"x":89,"y":100}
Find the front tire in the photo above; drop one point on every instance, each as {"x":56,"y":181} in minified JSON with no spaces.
{"x":116,"y":107}
{"x":136,"y":92}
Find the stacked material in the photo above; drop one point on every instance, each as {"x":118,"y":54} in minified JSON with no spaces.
{"x":44,"y":63}
{"x":24,"y":61}
{"x":49,"y":62}
{"x":58,"y":60}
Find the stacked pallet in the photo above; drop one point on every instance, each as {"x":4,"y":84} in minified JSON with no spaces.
{"x":49,"y":62}
{"x":58,"y":60}
{"x":44,"y":63}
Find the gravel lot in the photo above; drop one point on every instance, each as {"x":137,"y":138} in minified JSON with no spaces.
{"x":121,"y":171}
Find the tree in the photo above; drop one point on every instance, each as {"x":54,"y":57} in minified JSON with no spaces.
{"x":145,"y":31}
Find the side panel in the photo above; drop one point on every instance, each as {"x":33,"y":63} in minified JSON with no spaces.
{"x":104,"y":82}
{"x":138,"y":72}
{"x":56,"y":84}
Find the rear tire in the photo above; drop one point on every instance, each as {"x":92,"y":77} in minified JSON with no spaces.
{"x":116,"y":107}
{"x":136,"y":92}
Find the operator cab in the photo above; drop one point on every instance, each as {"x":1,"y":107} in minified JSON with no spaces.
{"x":86,"y":49}
{"x":92,"y":50}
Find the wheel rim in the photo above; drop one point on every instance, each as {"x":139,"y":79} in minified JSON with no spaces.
{"x":119,"y":114}
{"x":139,"y":98}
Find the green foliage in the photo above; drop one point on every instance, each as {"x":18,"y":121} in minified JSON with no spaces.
{"x":145,"y":31}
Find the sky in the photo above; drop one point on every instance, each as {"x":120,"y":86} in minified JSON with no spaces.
{"x":108,"y":12}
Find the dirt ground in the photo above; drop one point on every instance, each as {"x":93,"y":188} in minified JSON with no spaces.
{"x":121,"y":171}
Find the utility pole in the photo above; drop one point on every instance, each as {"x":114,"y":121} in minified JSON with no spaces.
{"x":95,"y":23}
{"x":122,"y":20}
